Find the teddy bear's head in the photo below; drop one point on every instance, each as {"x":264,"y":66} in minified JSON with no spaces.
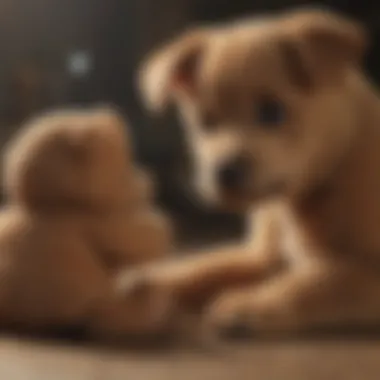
{"x":69,"y":159}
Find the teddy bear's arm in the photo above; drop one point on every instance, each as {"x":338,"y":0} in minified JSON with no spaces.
{"x":127,"y":241}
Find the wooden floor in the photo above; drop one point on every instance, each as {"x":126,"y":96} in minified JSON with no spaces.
{"x":345,"y":360}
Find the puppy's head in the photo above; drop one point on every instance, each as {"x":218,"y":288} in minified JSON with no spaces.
{"x":268,"y":103}
{"x":68,"y":158}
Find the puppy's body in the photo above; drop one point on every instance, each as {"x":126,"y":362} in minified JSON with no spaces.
{"x":282,"y":122}
{"x":78,"y":214}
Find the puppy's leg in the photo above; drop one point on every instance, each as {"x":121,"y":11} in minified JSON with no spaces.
{"x":195,"y":279}
{"x":321,"y":294}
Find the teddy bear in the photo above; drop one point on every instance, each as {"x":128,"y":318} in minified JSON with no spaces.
{"x":78,"y":214}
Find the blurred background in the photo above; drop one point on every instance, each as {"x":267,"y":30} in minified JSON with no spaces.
{"x":75,"y":52}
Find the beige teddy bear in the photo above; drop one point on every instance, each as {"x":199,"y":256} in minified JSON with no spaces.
{"x":78,"y":212}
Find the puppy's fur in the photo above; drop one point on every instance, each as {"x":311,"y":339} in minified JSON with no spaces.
{"x":78,"y":213}
{"x":311,"y":178}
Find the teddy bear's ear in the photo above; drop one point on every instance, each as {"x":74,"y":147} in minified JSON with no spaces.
{"x":93,"y":128}
{"x":172,"y":68}
{"x":319,"y":45}
{"x":80,"y":143}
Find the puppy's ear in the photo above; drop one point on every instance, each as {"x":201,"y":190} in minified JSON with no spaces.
{"x":318,"y":45}
{"x":172,"y":69}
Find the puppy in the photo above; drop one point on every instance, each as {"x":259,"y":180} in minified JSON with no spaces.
{"x":78,"y":214}
{"x":284,"y":127}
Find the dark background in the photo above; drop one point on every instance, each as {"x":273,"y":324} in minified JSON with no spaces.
{"x":38,"y":37}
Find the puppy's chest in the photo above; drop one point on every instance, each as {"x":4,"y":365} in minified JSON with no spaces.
{"x":295,"y":241}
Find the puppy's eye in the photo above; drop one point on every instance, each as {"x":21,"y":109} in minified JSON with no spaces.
{"x":270,"y":113}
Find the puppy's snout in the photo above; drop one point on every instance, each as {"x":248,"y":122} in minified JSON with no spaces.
{"x":233,"y":175}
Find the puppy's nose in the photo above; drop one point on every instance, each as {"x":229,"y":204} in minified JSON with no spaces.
{"x":234,"y":174}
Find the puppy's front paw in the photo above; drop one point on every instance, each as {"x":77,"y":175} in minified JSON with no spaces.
{"x":241,"y":315}
{"x":229,"y":317}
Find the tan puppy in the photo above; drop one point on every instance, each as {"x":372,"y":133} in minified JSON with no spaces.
{"x":284,"y":126}
{"x":78,"y":213}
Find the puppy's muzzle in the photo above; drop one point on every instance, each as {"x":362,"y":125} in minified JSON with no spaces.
{"x":234,"y":175}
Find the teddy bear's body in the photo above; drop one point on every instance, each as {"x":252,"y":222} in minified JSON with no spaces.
{"x":78,"y":213}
